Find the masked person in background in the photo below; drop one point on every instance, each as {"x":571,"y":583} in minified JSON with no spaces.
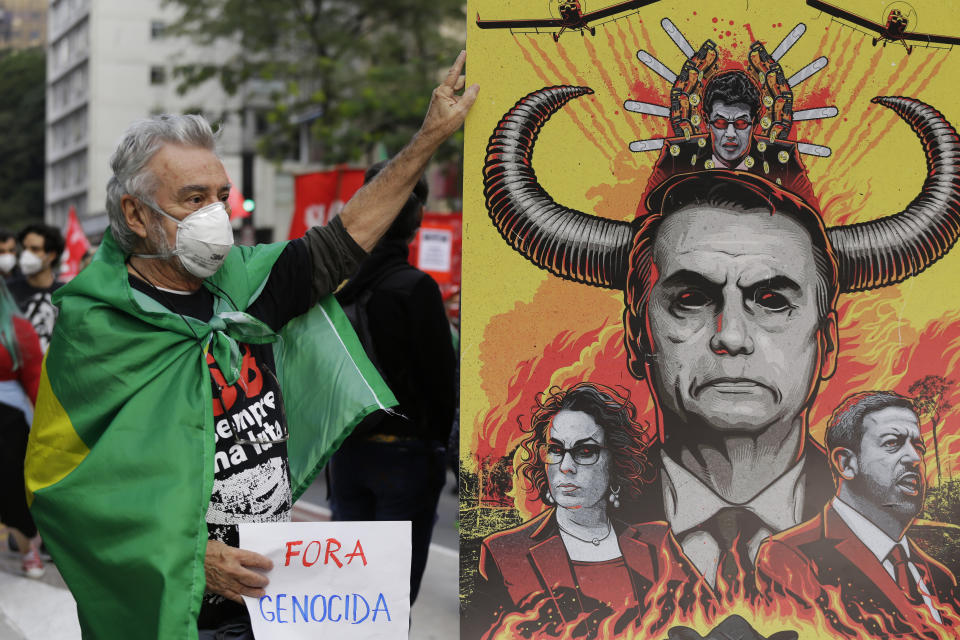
{"x":42,"y":246}
{"x":8,"y":254}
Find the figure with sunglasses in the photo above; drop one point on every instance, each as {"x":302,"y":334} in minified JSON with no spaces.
{"x":731,"y":106}
{"x":583,"y":455}
{"x":178,"y":393}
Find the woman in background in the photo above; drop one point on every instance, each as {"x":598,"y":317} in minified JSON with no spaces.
{"x":20,"y":362}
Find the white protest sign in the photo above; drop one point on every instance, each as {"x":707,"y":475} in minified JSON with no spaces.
{"x":344,"y":580}
{"x":436,"y":246}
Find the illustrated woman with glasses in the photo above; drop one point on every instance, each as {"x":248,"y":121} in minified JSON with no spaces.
{"x":584,"y":454}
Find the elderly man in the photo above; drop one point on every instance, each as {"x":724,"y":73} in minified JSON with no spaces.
{"x":730,"y":288}
{"x":170,"y":412}
{"x":857,"y":545}
{"x":731,"y":107}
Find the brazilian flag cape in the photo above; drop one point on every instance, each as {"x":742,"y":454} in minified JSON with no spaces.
{"x":120,"y":460}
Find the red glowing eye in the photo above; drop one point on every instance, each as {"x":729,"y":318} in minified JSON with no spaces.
{"x":722,"y":123}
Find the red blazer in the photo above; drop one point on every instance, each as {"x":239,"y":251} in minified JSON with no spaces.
{"x":823,"y":552}
{"x":531,"y":559}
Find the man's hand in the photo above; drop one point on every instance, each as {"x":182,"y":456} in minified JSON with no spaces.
{"x":447,"y":110}
{"x":372,"y":209}
{"x":228,"y":573}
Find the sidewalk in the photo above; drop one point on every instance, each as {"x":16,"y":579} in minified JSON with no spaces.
{"x":34,"y":609}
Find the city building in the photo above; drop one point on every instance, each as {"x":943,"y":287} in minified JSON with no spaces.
{"x":23,"y":23}
{"x":110,"y":62}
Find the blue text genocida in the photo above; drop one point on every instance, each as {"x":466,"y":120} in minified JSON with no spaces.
{"x":351,"y":608}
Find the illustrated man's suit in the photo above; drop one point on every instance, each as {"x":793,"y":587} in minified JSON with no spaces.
{"x":818,"y":487}
{"x":824,"y":552}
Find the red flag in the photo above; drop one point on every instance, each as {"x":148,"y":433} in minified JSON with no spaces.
{"x":235,"y":203}
{"x":76,"y":248}
{"x":318,"y":197}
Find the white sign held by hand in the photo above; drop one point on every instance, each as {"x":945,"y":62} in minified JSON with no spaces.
{"x":345,"y":580}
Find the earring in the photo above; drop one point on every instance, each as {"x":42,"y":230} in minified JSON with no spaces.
{"x":615,"y":497}
{"x":548,"y":498}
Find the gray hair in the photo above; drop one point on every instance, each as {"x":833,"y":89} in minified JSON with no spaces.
{"x":140,"y":142}
{"x":845,"y":428}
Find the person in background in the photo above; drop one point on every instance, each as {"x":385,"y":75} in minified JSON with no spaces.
{"x":451,"y":301}
{"x":8,"y":253}
{"x":20,"y":360}
{"x":42,"y":246}
{"x":393,"y":466}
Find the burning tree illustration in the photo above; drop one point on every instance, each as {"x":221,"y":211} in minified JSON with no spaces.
{"x":930,"y":397}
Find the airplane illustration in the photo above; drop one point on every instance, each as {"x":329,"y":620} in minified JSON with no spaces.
{"x":571,"y":18}
{"x":893,"y":30}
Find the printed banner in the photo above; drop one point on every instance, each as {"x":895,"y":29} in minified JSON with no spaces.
{"x":710,"y":268}
{"x":437,"y":246}
{"x":332,"y":579}
{"x":319,"y":197}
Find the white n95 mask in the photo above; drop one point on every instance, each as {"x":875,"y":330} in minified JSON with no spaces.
{"x":203,"y":239}
{"x":7,"y":262}
{"x":30,"y":263}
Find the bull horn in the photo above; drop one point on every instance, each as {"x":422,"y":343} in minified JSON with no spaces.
{"x":893,"y":248}
{"x":568,"y":243}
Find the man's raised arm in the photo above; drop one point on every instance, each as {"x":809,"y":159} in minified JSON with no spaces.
{"x":370,"y":211}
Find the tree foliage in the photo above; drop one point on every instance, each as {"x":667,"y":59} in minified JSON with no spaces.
{"x":367,"y":66}
{"x":942,"y":505}
{"x":22,"y":100}
{"x":930,"y":399}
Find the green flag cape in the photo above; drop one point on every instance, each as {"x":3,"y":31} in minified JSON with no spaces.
{"x":120,"y":459}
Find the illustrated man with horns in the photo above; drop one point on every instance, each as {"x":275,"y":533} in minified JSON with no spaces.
{"x":731,"y":284}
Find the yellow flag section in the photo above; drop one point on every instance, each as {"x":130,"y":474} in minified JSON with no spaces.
{"x":539,"y":328}
{"x":58,"y":450}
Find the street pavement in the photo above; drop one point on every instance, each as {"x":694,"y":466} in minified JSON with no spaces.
{"x":45,"y":610}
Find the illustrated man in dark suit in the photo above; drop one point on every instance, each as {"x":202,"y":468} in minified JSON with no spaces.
{"x":858,"y":546}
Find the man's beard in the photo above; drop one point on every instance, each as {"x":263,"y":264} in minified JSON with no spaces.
{"x":157,"y":244}
{"x":892,"y":499}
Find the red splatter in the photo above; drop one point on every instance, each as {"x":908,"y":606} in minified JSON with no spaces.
{"x":646,"y":93}
{"x":715,"y":20}
{"x":726,"y":33}
{"x":750,"y":32}
{"x":731,"y":23}
{"x":819,"y":97}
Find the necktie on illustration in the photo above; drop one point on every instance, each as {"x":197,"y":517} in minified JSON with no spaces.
{"x":901,"y":573}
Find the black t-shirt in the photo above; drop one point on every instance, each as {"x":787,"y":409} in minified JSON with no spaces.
{"x":37,"y":305}
{"x":251,"y":479}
